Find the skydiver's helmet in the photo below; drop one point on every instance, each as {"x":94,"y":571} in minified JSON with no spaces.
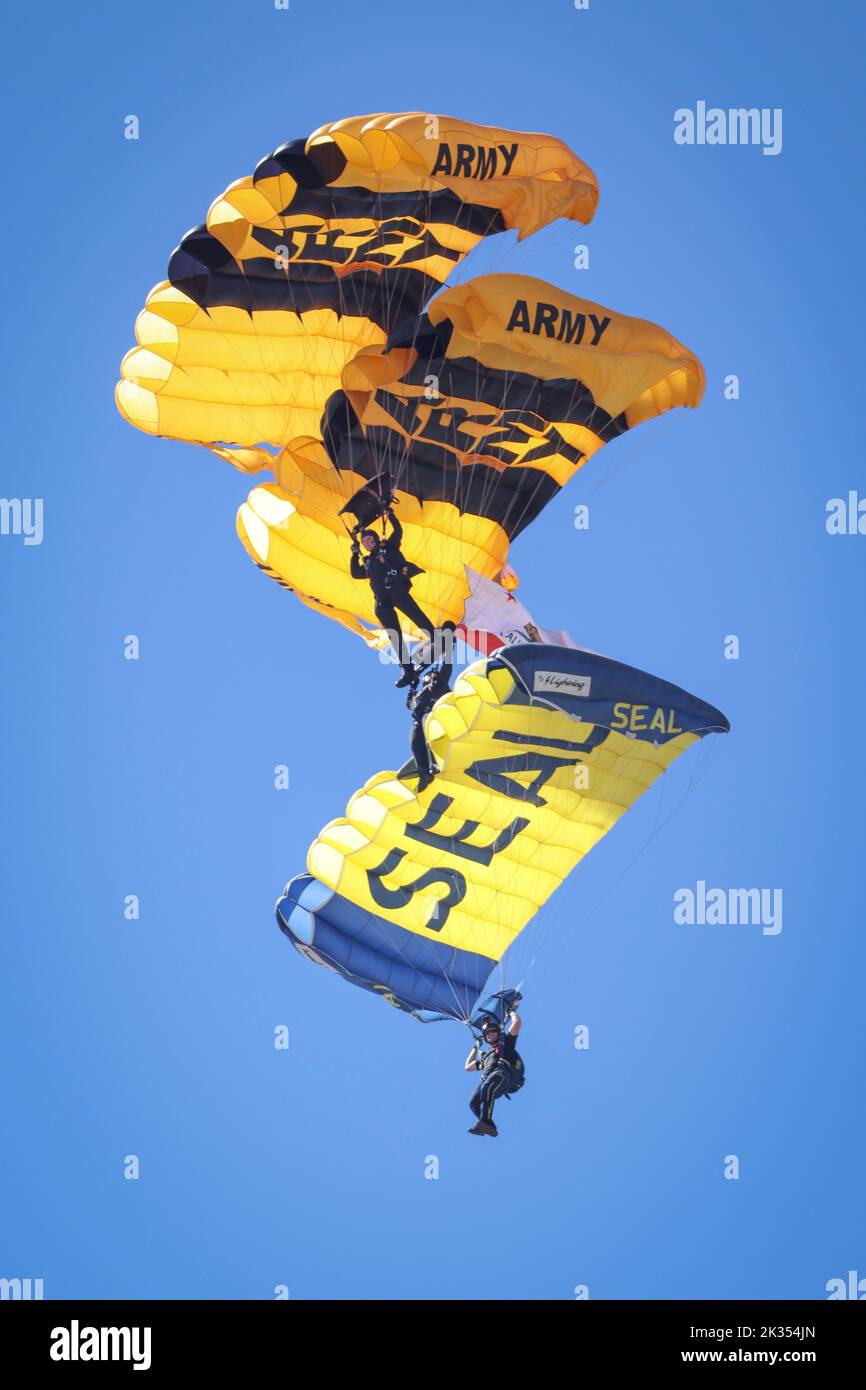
{"x":490,"y":1025}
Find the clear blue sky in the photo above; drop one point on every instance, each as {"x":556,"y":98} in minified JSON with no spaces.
{"x":154,"y":1038}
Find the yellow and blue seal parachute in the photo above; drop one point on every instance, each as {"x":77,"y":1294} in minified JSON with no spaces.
{"x":417,"y":895}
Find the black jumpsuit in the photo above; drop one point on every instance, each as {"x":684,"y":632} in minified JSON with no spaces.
{"x":497,"y":1079}
{"x":434,"y":683}
{"x":390,"y":577}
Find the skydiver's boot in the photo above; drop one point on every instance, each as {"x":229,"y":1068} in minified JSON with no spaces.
{"x":483,"y":1127}
{"x":425,"y":777}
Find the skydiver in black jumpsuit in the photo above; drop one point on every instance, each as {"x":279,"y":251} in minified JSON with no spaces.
{"x":420,"y":700}
{"x":390,"y":576}
{"x":503,"y":1072}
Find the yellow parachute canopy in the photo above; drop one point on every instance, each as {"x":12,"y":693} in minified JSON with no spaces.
{"x":330,"y":244}
{"x":505,"y":390}
{"x":417,"y":895}
{"x":501,"y":393}
{"x":294,"y":532}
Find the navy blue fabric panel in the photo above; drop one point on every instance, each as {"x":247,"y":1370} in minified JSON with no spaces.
{"x":424,"y":977}
{"x":599,"y":691}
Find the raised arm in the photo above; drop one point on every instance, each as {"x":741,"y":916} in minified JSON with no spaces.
{"x":471,"y":1063}
{"x":396,"y":528}
{"x":356,"y":569}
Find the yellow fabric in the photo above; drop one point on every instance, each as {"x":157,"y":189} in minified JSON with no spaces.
{"x":464,"y":729}
{"x":545,"y":179}
{"x":228,"y":376}
{"x":514,"y":324}
{"x":636,"y":370}
{"x":292,"y":529}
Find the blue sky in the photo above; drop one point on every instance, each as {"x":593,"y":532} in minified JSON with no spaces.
{"x":306,"y":1168}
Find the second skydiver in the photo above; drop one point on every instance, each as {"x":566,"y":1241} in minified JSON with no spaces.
{"x":390,"y":576}
{"x":420,"y":700}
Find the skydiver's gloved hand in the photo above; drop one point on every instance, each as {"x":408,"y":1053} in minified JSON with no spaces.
{"x":409,"y":677}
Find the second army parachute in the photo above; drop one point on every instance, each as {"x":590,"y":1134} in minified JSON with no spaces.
{"x":480,"y":412}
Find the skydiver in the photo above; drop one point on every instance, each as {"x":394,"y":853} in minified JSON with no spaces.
{"x":420,"y":700}
{"x":502,"y":1067}
{"x":390,"y":575}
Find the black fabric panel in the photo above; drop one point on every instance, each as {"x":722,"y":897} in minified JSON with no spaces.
{"x":418,"y":206}
{"x":427,"y":467}
{"x":310,"y":171}
{"x":562,"y":398}
{"x":202,"y":269}
{"x":429,"y":472}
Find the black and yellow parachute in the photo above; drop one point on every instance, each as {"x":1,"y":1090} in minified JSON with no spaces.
{"x":328,"y":246}
{"x":331,"y":245}
{"x":480,"y":413}
{"x":290,"y":336}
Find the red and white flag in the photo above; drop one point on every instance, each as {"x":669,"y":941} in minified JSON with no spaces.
{"x":494,"y":618}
